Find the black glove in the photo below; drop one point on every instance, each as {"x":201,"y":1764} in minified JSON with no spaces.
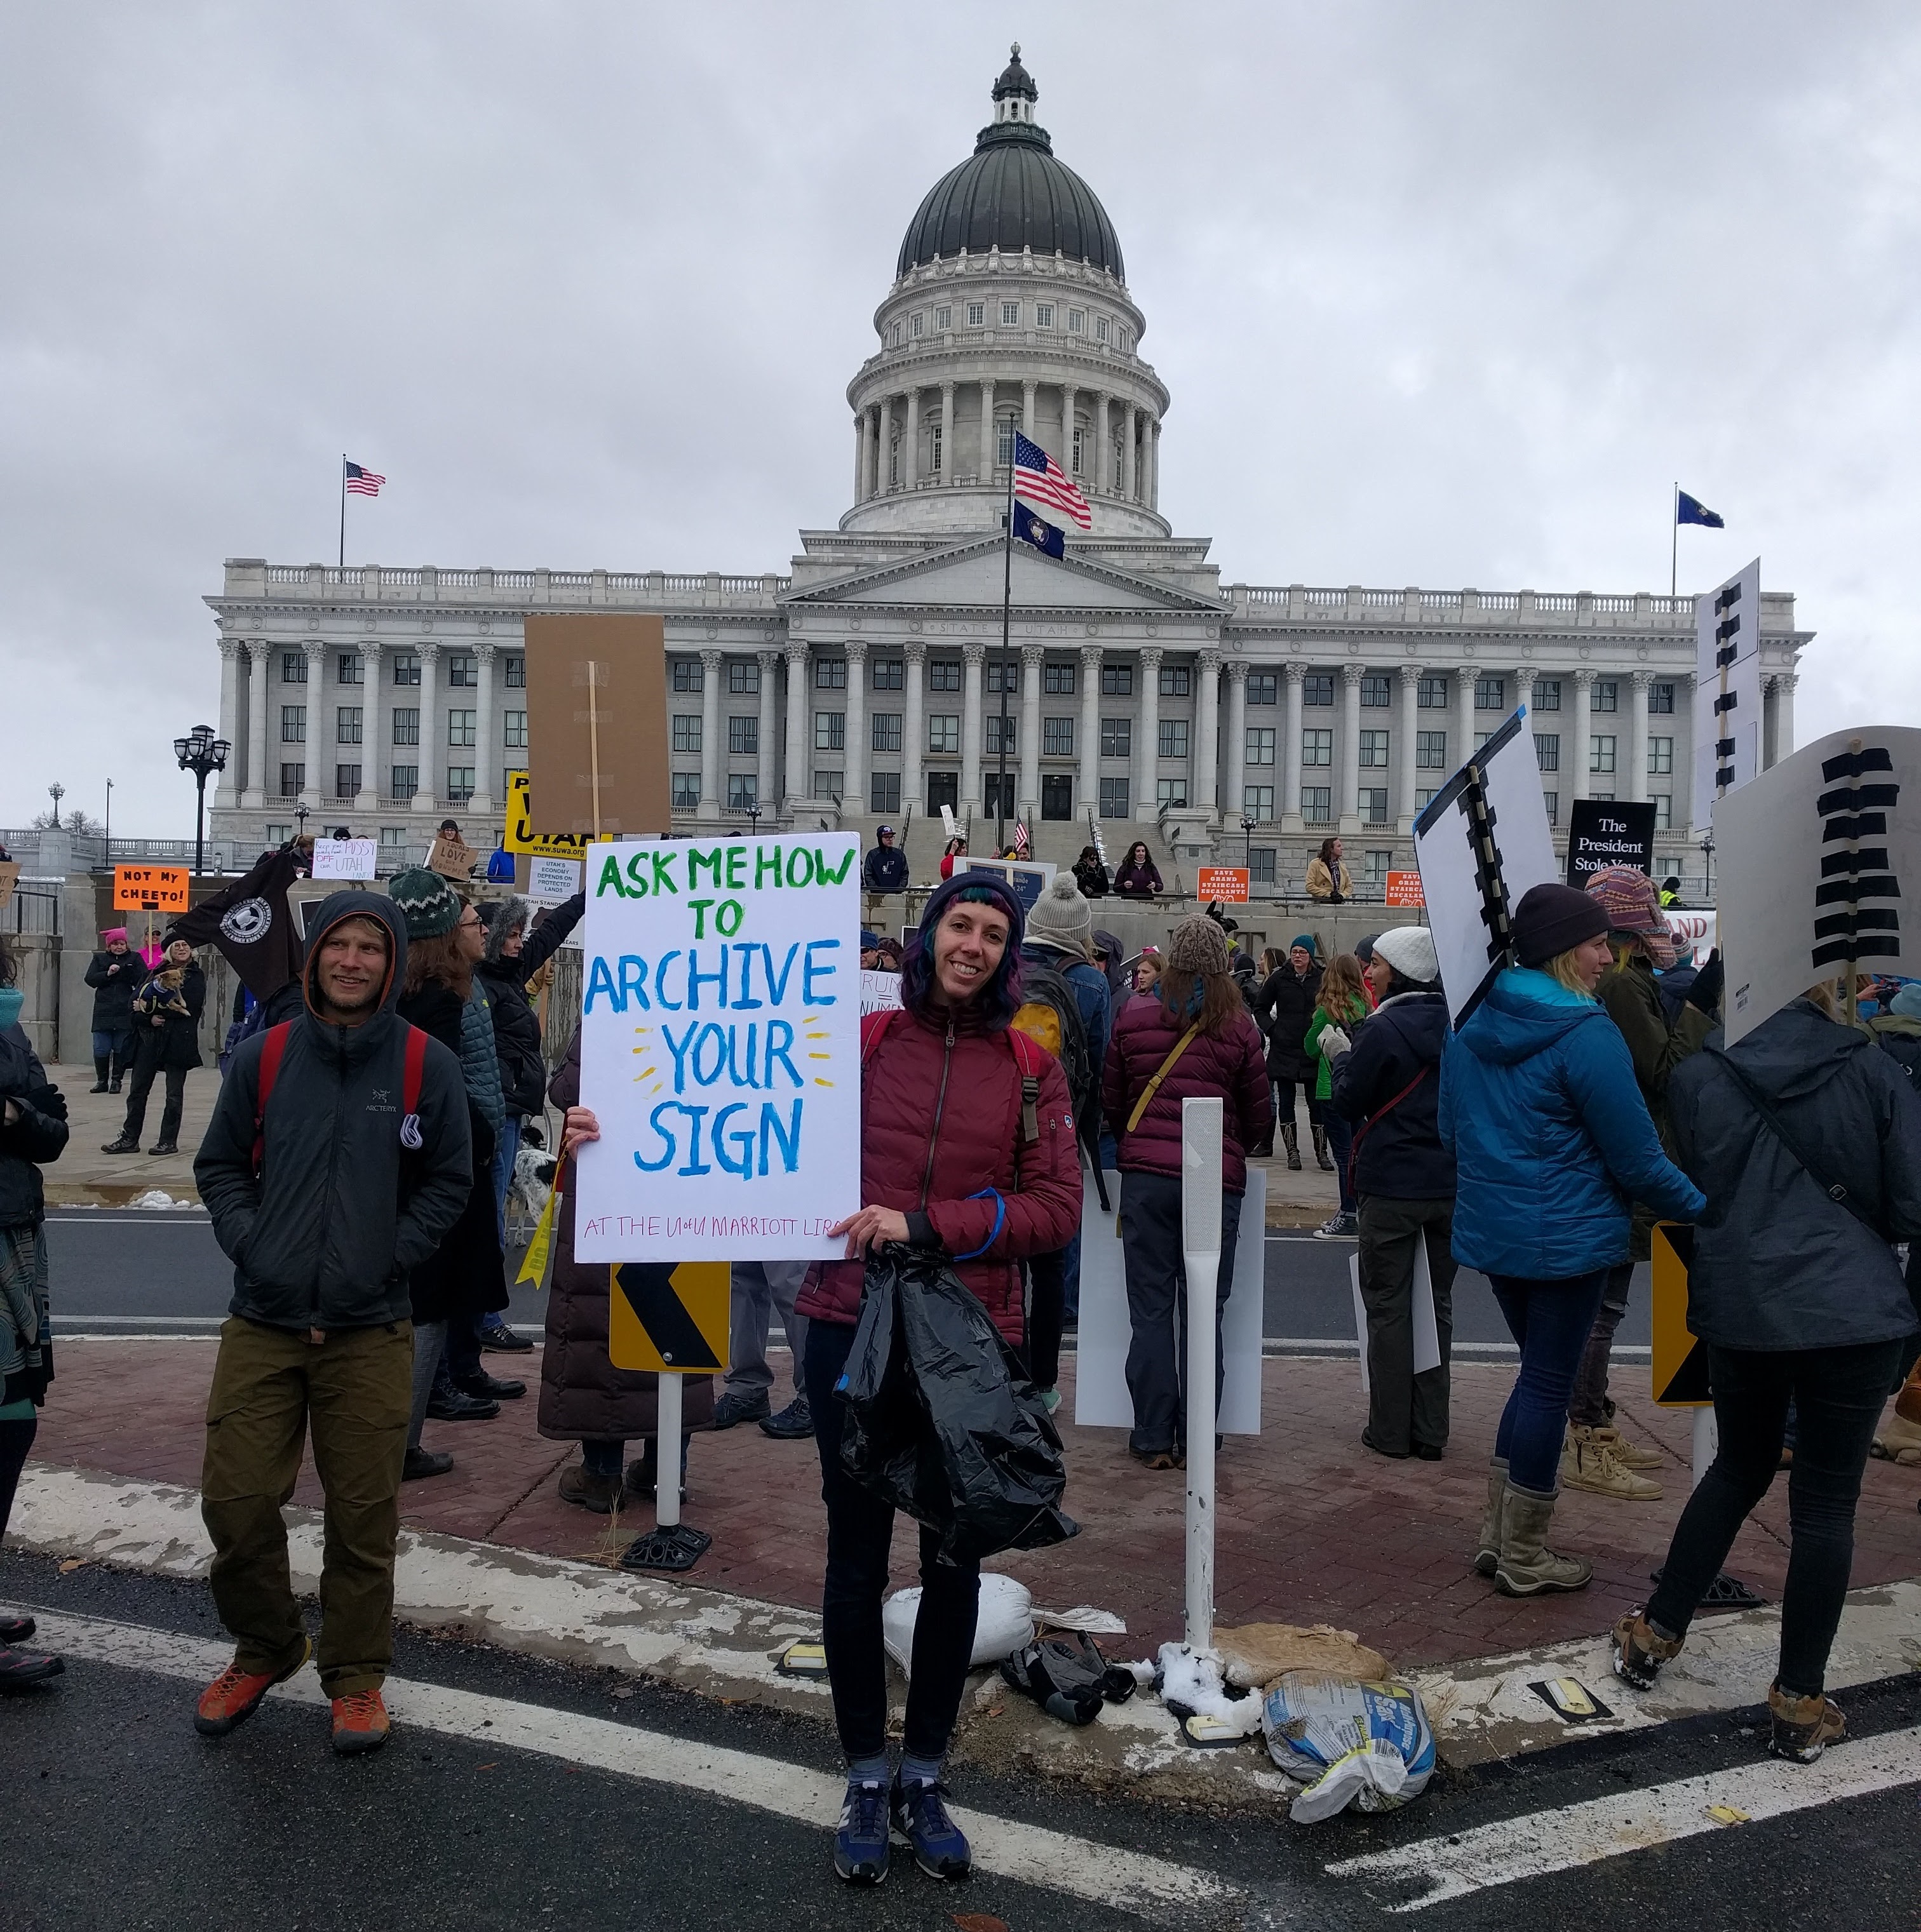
{"x":1705,"y":993}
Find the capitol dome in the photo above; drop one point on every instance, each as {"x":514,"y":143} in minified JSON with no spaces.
{"x":1011,"y":193}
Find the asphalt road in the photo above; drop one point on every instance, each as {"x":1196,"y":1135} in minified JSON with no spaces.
{"x":122,"y":1270}
{"x":118,"y":1815}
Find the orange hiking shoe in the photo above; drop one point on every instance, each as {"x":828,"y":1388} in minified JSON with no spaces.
{"x":235,"y":1695}
{"x":361,"y":1722}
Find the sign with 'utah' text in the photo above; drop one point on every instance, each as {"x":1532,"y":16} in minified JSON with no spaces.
{"x":720,"y":1049}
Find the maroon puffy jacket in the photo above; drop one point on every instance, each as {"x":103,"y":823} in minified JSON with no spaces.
{"x":940,"y":1121}
{"x":1231,"y":1065}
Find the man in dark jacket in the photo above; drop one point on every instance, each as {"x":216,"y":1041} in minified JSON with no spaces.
{"x":1389,"y":1085}
{"x":886,"y":868}
{"x":115,"y":975}
{"x":327,"y":1182}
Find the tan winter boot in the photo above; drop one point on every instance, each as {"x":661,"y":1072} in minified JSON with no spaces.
{"x":1587,"y":1462}
{"x":1900,"y":1441}
{"x":1487,"y":1552}
{"x":1630,"y":1455}
{"x":1321,"y":1148}
{"x":1290,"y":1135}
{"x":1526,"y":1566}
{"x":1804,"y":1727}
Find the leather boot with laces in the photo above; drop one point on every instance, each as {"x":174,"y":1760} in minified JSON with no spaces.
{"x":1640,"y":1650}
{"x":1526,"y":1566}
{"x":361,"y":1722}
{"x":1290,"y":1137}
{"x":1629,"y":1455}
{"x":1804,"y":1727}
{"x":1588,"y":1462}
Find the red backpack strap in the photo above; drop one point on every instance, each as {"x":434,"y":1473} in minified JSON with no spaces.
{"x":1029,"y":1056}
{"x":271,"y":1052}
{"x":415,"y":1071}
{"x":873,"y":1030}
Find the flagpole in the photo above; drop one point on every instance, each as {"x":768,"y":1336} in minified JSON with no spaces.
{"x":1673,"y":536}
{"x":343,"y":563}
{"x":1007,"y":620}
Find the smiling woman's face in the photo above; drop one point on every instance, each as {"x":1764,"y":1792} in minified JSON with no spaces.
{"x":969,"y":944}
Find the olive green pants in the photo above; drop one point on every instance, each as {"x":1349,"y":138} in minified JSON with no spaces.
{"x":355,"y":1387}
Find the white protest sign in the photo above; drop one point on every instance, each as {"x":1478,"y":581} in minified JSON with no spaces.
{"x":1691,"y":931}
{"x":1481,"y":842}
{"x":880,"y":992}
{"x":1728,"y":689}
{"x":1812,"y":856}
{"x":720,"y":1047}
{"x":551,"y":880}
{"x":1426,"y":1329}
{"x":344,"y":858}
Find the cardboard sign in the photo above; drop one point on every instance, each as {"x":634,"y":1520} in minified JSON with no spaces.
{"x":1680,"y":1361}
{"x":452,"y":858}
{"x":1481,"y":842}
{"x":520,"y":835}
{"x":1727,"y":690}
{"x":720,"y":1046}
{"x":1227,"y":884}
{"x":1028,"y":877}
{"x":1601,"y":833}
{"x":1404,"y":889}
{"x":10,"y":877}
{"x":551,"y":880}
{"x":669,"y":1320}
{"x":880,"y":992}
{"x":345,"y":858}
{"x":597,"y":723}
{"x":150,"y":888}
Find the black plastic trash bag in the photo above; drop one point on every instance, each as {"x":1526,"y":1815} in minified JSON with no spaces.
{"x":943,"y":1421}
{"x":1067,"y":1677}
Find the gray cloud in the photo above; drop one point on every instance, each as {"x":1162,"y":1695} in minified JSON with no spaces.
{"x":1447,"y":295}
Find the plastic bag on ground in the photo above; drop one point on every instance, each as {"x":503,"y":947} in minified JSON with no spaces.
{"x":943,"y":1421}
{"x":1005,"y":1623}
{"x":1369,"y":1745}
{"x":1190,"y":1681}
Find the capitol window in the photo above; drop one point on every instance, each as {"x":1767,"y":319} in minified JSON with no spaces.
{"x":883,"y":792}
{"x":1548,"y":750}
{"x":407,"y":668}
{"x":293,"y":723}
{"x":1170,"y":791}
{"x":1606,"y":694}
{"x":462,"y":671}
{"x":687,"y":731}
{"x":1257,"y":801}
{"x":1431,"y":751}
{"x":1317,"y":687}
{"x":1010,"y":315}
{"x":406,"y":727}
{"x":827,"y":785}
{"x":1075,"y":458}
{"x":1117,"y":737}
{"x":993,"y":724}
{"x":1114,"y":798}
{"x":1490,"y":694}
{"x":1552,"y":800}
{"x":1664,"y":805}
{"x":1117,"y":680}
{"x":1373,"y":752}
{"x":934,"y":448}
{"x":895,"y":341}
{"x":744,"y":677}
{"x":886,"y":735}
{"x":293,"y":667}
{"x":1003,"y":442}
{"x":1317,"y":804}
{"x":513,"y":730}
{"x":1430,"y":694}
{"x":687,"y":673}
{"x":944,"y":318}
{"x":460,"y":727}
{"x":889,"y":674}
{"x":1374,"y":691}
{"x":1661,"y":699}
{"x":1260,"y":745}
{"x":1058,"y":680}
{"x":1176,"y":680}
{"x":1661,"y":757}
{"x":515,"y":667}
{"x":743,"y":737}
{"x":1043,"y":315}
{"x":686,"y":791}
{"x":943,"y":733}
{"x":830,"y":674}
{"x":1057,"y":737}
{"x":350,"y":668}
{"x":919,"y":320}
{"x":830,"y":730}
{"x":1373,"y":800}
{"x":945,"y":674}
{"x":1076,"y":321}
{"x":1601,"y":752}
{"x":347,"y":725}
{"x":743,"y":790}
{"x":1004,"y":677}
{"x":406,"y":781}
{"x":1316,"y":747}
{"x":976,"y":315}
{"x":1100,"y":329}
{"x":1263,"y":688}
{"x":292,"y":780}
{"x":1174,"y":737}
{"x":459,"y":784}
{"x":1548,"y":693}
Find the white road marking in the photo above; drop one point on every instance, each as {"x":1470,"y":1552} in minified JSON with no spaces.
{"x":1606,"y":1828}
{"x":1104,"y":1874}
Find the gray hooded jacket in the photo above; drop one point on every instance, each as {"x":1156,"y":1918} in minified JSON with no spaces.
{"x":324,"y":1237}
{"x":1777,"y":1264}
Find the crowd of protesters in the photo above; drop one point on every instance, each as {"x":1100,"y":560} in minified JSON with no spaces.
{"x":365,"y":1143}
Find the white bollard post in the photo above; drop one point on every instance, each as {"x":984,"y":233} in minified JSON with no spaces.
{"x":1202,"y":1123}
{"x":667,"y":1460}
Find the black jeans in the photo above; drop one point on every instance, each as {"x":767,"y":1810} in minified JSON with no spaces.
{"x":860,"y":1533}
{"x":1838,"y":1393}
{"x":144,"y":1071}
{"x":1049,"y":1279}
{"x":1158,"y":1306}
{"x":1341,"y":1144}
{"x":1589,"y":1404}
{"x":15,"y":1439}
{"x":1405,"y":1410}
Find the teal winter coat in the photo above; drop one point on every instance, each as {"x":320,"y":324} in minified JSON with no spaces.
{"x":1550,"y":1136}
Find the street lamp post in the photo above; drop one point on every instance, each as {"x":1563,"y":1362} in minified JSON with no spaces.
{"x":201,"y":753}
{"x":56,"y":792}
{"x":1247,"y":825}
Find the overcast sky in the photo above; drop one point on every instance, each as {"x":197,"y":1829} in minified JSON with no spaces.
{"x":1445,"y":294}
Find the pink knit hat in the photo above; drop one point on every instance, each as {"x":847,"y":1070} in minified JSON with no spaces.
{"x":1633,"y":905}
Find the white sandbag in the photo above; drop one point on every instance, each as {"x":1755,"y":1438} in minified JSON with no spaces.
{"x":1369,"y":1745}
{"x":1005,"y":1624}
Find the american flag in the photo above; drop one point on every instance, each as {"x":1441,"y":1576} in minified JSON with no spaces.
{"x":362,"y":482}
{"x":1039,"y":479}
{"x":1023,"y":845}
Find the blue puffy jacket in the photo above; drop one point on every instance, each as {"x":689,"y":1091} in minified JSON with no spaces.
{"x":1550,"y":1136}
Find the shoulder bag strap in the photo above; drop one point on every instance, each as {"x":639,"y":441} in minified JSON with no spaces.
{"x":1161,"y":1072}
{"x":1379,"y":1113}
{"x":272,"y":1050}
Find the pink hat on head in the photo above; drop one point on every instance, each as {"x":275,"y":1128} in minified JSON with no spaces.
{"x":1633,"y":905}
{"x":109,"y":933}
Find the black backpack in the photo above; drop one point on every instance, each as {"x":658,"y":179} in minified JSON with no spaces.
{"x":1044,"y":987}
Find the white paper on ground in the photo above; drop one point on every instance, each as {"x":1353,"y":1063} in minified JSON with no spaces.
{"x":1101,"y":1400}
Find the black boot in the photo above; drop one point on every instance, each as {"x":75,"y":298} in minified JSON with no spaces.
{"x":99,"y":1076}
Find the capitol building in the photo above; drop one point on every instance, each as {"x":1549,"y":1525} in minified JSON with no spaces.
{"x":1145,"y":697}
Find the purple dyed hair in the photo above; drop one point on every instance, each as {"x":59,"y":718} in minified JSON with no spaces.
{"x":1000,"y":997}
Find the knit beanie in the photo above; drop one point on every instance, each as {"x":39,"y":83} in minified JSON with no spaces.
{"x":1305,"y":941}
{"x":1061,"y":918}
{"x":1632,"y":903}
{"x":1198,"y":946}
{"x":1552,"y":919}
{"x":1409,"y":950}
{"x":427,"y":903}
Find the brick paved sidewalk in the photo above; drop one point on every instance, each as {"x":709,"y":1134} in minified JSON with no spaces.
{"x":1313,"y":1527}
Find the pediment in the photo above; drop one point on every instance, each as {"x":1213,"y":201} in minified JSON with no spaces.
{"x":969,"y":576}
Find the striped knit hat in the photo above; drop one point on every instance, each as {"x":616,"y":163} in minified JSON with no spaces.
{"x":427,"y":902}
{"x":1633,"y":905}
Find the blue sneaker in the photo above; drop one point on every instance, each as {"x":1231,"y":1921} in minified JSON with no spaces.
{"x":860,"y":1841}
{"x":940,"y":1848}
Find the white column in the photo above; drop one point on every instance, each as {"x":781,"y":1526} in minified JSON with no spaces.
{"x":1350,"y":749}
{"x":314,"y":691}
{"x":884,"y":430}
{"x":854,"y":785}
{"x":1032,"y":658}
{"x":913,"y":724}
{"x":1637,"y":737}
{"x":1207,"y":731}
{"x":1147,"y":727}
{"x":1090,"y":729}
{"x":1154,"y":468}
{"x":1410,"y":695}
{"x":426,"y":796}
{"x":484,"y":750}
{"x":1128,"y":464}
{"x":1579,"y":784}
{"x":1067,"y":432}
{"x":1463,"y":748}
{"x":227,"y":783}
{"x":372,"y":734}
{"x":950,"y":455}
{"x":1027,"y":429}
{"x":1685,"y":701}
{"x":973,"y":656}
{"x":260,"y":662}
{"x":1234,"y":806}
{"x":1783,"y":715}
{"x":1524,"y":693}
{"x":797,"y":727}
{"x":711,"y":788}
{"x":987,"y":431}
{"x":1290,"y":752}
{"x":910,"y":441}
{"x":1102,"y":404}
{"x":763,"y":755}
{"x":860,"y":452}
